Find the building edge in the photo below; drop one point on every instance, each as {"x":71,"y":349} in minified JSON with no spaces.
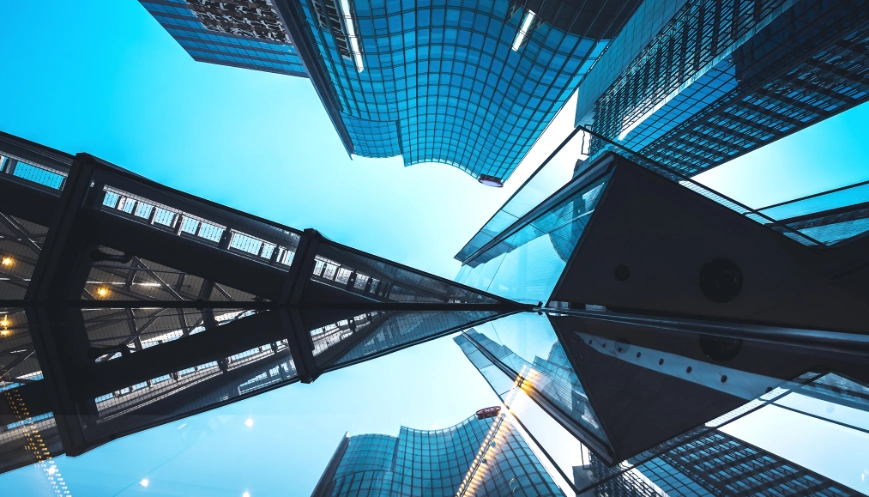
{"x":297,"y":30}
{"x":324,"y":485}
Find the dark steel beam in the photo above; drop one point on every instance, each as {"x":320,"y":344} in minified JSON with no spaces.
{"x":192,"y":350}
{"x":56,"y":271}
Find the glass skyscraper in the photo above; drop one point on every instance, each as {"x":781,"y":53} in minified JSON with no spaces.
{"x":469,"y":83}
{"x":240,"y":33}
{"x":484,"y":456}
{"x":689,"y":84}
{"x":722,"y":78}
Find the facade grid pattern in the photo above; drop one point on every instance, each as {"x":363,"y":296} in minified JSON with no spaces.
{"x":713,"y":464}
{"x":438,"y":81}
{"x":728,"y":76}
{"x":205,"y":44}
{"x":433,"y":463}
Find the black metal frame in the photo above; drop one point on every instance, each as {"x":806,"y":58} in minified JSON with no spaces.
{"x":281,"y":301}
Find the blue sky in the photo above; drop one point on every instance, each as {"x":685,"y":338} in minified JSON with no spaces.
{"x":103,"y":77}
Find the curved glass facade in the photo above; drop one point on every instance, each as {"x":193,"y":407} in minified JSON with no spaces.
{"x":489,"y":452}
{"x":453,"y":82}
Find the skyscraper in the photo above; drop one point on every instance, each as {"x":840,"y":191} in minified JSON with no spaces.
{"x":722,"y":78}
{"x":470,"y":84}
{"x":712,"y":464}
{"x":483,"y":455}
{"x":239,"y":33}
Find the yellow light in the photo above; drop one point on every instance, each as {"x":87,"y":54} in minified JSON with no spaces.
{"x":102,"y":292}
{"x":7,"y":261}
{"x":4,"y":333}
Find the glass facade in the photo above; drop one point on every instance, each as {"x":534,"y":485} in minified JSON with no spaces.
{"x":242,"y":33}
{"x":484,"y":457}
{"x":524,"y":354}
{"x":468,"y":83}
{"x":714,"y":463}
{"x":726,"y":77}
{"x":525,"y":258}
{"x":526,"y":345}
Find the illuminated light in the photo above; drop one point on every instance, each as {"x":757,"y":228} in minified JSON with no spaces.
{"x":102,"y":292}
{"x":249,"y":422}
{"x":7,"y":261}
{"x":52,"y":470}
{"x":351,"y":34}
{"x":144,"y":482}
{"x":246,"y":494}
{"x":523,"y":30}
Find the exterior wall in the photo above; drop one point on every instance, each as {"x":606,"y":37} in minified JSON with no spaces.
{"x":645,"y":25}
{"x":435,"y":463}
{"x":442,"y":84}
{"x":239,"y":33}
{"x":525,"y":266}
{"x":728,"y":76}
{"x":551,"y":376}
{"x":714,"y":464}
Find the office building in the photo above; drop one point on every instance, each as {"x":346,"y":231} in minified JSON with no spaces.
{"x":689,"y":84}
{"x":240,"y":33}
{"x":723,"y":78}
{"x":483,"y":455}
{"x":712,"y":464}
{"x":469,"y":84}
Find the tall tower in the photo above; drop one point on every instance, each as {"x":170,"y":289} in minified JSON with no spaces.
{"x":483,"y":455}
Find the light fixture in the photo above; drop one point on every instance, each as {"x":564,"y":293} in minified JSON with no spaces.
{"x":487,"y":180}
{"x":7,"y":261}
{"x":102,"y":292}
{"x":144,"y":482}
{"x":351,"y":35}
{"x":523,"y":30}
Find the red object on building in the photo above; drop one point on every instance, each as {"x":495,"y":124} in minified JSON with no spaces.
{"x":488,"y":412}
